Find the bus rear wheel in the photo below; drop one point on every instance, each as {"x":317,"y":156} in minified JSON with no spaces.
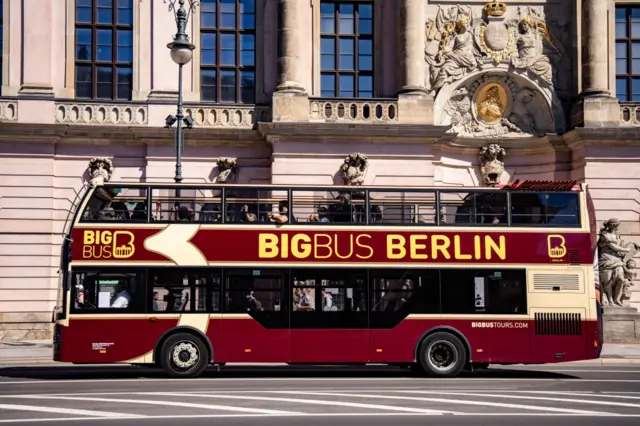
{"x":184,"y":355}
{"x":442,"y":355}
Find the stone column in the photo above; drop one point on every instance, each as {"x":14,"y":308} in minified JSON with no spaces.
{"x":595,"y":65}
{"x":595,"y":106}
{"x":289,"y":61}
{"x":290,"y":101}
{"x":412,"y":38}
{"x":415,"y":106}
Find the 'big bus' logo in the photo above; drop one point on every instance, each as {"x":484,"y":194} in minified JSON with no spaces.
{"x":556,"y":246}
{"x":106,"y":244}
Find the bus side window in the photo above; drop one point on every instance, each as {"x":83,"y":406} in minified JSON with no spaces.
{"x":95,"y":291}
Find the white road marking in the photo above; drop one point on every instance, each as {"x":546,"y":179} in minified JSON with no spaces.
{"x":163,"y":403}
{"x":462,"y":402}
{"x":369,"y":414}
{"x":308,"y":401}
{"x":321,"y":379}
{"x":539,"y":398}
{"x":91,"y":413}
{"x":599,"y":395}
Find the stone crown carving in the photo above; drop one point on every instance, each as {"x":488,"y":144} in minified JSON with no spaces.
{"x":354,"y":169}
{"x":492,"y":164}
{"x":495,"y":9}
{"x":227,"y":170}
{"x":100,"y":170}
{"x":457,"y":43}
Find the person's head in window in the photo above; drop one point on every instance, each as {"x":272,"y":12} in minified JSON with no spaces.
{"x":344,"y":198}
{"x":183,"y":214}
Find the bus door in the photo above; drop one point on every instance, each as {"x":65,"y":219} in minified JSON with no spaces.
{"x":558,"y":334}
{"x":255,"y":327}
{"x":329,"y":320}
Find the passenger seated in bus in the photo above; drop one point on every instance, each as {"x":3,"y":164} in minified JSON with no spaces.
{"x":245,"y":216}
{"x":341,"y":212}
{"x":184,"y":214}
{"x":210,"y":212}
{"x":321,"y":216}
{"x":107,"y":214}
{"x":122,"y":297}
{"x":121,"y":211}
{"x":140,"y":212}
{"x":283,"y":213}
{"x":375,"y":214}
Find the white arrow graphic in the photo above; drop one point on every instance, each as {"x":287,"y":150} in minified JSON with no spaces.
{"x":173,"y":242}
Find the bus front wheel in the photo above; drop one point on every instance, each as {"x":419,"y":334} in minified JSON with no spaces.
{"x":184,"y":355}
{"x":442,"y":355}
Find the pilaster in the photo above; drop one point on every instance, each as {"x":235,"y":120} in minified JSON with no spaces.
{"x":37,"y":49}
{"x":415,"y":106}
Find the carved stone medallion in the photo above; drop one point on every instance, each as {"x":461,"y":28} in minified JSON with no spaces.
{"x":491,"y":102}
{"x":496,"y":105}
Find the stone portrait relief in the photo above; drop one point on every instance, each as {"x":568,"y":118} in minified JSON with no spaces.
{"x":491,"y":103}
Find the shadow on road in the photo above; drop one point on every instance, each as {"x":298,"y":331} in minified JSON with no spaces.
{"x":239,"y":372}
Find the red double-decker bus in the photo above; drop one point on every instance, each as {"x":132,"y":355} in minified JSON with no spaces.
{"x":437,"y":279}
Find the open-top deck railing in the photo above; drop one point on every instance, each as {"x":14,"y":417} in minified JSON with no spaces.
{"x":526,"y":203}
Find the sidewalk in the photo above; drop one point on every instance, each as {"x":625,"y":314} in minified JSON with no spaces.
{"x":27,"y":352}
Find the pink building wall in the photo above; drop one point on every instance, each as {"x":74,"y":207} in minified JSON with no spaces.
{"x":47,"y":138}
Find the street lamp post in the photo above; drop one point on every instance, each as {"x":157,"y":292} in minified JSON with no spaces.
{"x":181,"y":53}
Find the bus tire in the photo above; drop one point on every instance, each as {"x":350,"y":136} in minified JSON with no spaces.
{"x":442,"y":354}
{"x":184,"y":355}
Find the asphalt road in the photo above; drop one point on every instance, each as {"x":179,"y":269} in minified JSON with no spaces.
{"x":122,"y":396}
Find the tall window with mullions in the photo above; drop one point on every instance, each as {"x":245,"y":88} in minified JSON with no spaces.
{"x":346,"y":47}
{"x":628,"y":53}
{"x":228,"y":44}
{"x":104,"y":49}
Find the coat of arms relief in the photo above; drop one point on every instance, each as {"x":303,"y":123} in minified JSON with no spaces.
{"x":494,"y":73}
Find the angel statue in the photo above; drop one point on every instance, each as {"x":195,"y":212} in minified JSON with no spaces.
{"x":457,"y":53}
{"x":529,"y":53}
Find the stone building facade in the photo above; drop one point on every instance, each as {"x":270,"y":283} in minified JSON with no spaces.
{"x":286,"y":89}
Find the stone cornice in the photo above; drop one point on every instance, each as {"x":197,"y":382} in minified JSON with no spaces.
{"x":546,"y":144}
{"x":101,"y":135}
{"x":342,"y":132}
{"x":623,"y":135}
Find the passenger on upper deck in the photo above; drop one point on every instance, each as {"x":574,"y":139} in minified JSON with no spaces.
{"x":341,"y":211}
{"x":283,"y":215}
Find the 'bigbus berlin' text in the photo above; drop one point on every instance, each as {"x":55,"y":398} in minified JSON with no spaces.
{"x":397,"y":247}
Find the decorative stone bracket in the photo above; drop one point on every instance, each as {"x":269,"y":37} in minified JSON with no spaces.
{"x":100,"y":170}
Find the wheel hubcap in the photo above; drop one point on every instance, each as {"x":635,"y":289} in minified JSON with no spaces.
{"x":442,"y":355}
{"x":185,"y":355}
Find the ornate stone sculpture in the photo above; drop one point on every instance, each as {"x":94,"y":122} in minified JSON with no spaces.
{"x":497,"y":106}
{"x":492,"y":164}
{"x":529,"y":54}
{"x":354,"y":168}
{"x":100,"y":170}
{"x":457,"y":43}
{"x":456,"y":52}
{"x":227,"y":170}
{"x":615,"y":263}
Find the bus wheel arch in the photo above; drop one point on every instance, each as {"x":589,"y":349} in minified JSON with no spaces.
{"x":157,"y":350}
{"x":445,"y":332}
